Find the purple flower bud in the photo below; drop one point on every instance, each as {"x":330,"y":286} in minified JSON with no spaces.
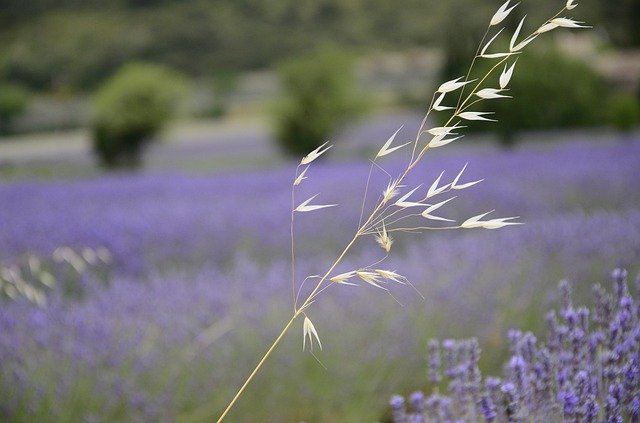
{"x":510,"y":402}
{"x":433,"y":348}
{"x":398,"y":409}
{"x":417,"y":402}
{"x":571,"y":317}
{"x":634,"y":409}
{"x":527,"y":347}
{"x":514,"y":336}
{"x":583,"y":318}
{"x":487,"y":409}
{"x":565,"y":292}
{"x":612,"y":410}
{"x":552,"y":327}
{"x":450,"y":355}
{"x":569,"y":401}
{"x":493,"y":384}
{"x":592,"y":409}
{"x":603,"y":308}
{"x":619,"y":277}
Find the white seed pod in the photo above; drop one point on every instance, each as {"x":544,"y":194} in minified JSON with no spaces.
{"x":308,"y":330}
{"x":385,"y":148}
{"x":477,"y":116}
{"x":315,"y":154}
{"x":506,"y":75}
{"x":571,"y":4}
{"x":491,"y":93}
{"x":453,"y":85}
{"x":502,"y":13}
{"x":305,"y":207}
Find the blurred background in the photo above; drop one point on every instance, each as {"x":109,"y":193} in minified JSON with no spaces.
{"x":147,"y":149}
{"x":282,"y":73}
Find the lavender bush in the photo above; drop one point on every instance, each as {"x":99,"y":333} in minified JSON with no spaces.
{"x":587,"y":370}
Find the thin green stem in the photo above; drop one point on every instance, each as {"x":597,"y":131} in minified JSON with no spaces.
{"x":253,"y":373}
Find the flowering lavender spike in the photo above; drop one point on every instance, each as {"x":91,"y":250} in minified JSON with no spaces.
{"x":514,"y":336}
{"x":510,"y":402}
{"x":612,"y":410}
{"x":492,"y":385}
{"x":570,"y":402}
{"x":553,"y":339}
{"x":527,"y":347}
{"x":583,"y":318}
{"x":634,"y":410}
{"x":571,"y":318}
{"x":398,"y":409}
{"x":434,"y":362}
{"x":565,"y":292}
{"x":417,"y":402}
{"x":487,"y":409}
{"x":619,"y":277}
{"x":518,"y":373}
{"x":450,"y":354}
{"x":592,"y":410}
{"x":473,"y":371}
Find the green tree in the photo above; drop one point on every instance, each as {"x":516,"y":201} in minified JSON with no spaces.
{"x":551,"y":91}
{"x":623,"y":111}
{"x":13,"y":102}
{"x":130,"y":109}
{"x":320,"y":95}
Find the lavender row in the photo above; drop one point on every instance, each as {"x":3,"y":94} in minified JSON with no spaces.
{"x":178,"y":220}
{"x":148,"y":349}
{"x":587,"y":369}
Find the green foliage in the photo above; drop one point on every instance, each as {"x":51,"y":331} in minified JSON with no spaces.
{"x":320,"y":96}
{"x":93,"y":38}
{"x":13,"y":102}
{"x":224,"y":84}
{"x":130,"y":109}
{"x":550,"y":91}
{"x":623,"y":111}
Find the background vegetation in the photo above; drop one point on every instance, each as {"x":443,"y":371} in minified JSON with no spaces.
{"x":74,"y":45}
{"x":130,"y":109}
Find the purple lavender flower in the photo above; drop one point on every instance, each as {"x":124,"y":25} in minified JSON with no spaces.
{"x":398,"y":409}
{"x":487,"y":408}
{"x":619,"y":277}
{"x":589,"y":374}
{"x":433,"y":358}
{"x":510,"y":402}
{"x":418,"y":404}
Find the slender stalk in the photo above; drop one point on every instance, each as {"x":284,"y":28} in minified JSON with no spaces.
{"x":253,"y":373}
{"x":287,"y":326}
{"x":368,"y":226}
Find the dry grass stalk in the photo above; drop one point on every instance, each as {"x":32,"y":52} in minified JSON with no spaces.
{"x":387,"y":217}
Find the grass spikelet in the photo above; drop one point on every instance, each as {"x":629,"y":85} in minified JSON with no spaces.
{"x":343,"y":278}
{"x":386,"y":147}
{"x":391,"y":275}
{"x":502,"y":13}
{"x":306,"y":207}
{"x":308,"y":330}
{"x":300,"y":177}
{"x":315,"y":154}
{"x":371,"y":278}
{"x":384,"y":240}
{"x":391,"y":191}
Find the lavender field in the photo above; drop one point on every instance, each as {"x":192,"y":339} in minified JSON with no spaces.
{"x":173,"y":284}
